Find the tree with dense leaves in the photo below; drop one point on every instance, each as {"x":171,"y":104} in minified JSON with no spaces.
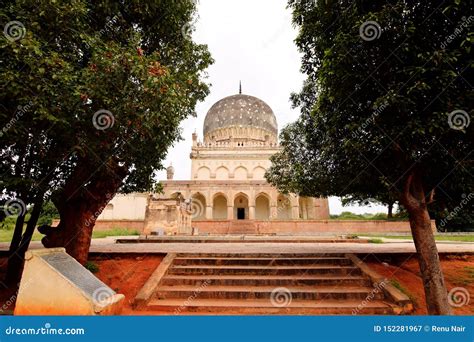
{"x":105,"y":87}
{"x":385,"y":106}
{"x":388,"y":199}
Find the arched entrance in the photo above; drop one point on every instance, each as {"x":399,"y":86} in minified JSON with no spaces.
{"x":198,"y":207}
{"x":262,"y":207}
{"x":219,"y":207}
{"x":241,"y":207}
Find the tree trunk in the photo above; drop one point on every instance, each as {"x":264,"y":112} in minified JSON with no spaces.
{"x":11,"y":277}
{"x":18,"y":249}
{"x":390,"y":210}
{"x":414,"y":201}
{"x":74,"y":231}
{"x":79,"y":206}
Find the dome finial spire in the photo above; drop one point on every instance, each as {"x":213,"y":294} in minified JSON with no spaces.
{"x":240,"y":87}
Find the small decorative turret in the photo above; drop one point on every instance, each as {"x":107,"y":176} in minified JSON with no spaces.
{"x":170,"y":172}
{"x":195,"y":138}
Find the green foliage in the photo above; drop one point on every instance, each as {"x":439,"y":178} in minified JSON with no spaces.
{"x":116,"y":231}
{"x":375,"y":241}
{"x":92,"y":267}
{"x":376,"y":111}
{"x":347,"y":215}
{"x":48,"y":214}
{"x":94,"y":90}
{"x":400,"y":287}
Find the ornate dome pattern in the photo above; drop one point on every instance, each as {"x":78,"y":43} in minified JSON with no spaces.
{"x":240,"y":111}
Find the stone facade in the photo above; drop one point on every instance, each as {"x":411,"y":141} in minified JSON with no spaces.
{"x":170,"y":216}
{"x":227,"y":180}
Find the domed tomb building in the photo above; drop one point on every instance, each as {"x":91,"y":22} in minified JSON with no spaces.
{"x":227,"y":192}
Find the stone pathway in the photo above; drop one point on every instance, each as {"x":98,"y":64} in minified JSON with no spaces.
{"x":108,"y":245}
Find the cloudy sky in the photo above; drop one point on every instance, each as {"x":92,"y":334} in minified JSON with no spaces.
{"x":251,"y":41}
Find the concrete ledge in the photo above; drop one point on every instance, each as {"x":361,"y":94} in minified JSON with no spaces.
{"x":405,"y":304}
{"x":305,"y":227}
{"x":145,"y":293}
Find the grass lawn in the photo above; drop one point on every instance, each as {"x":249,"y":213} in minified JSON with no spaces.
{"x":6,"y":235}
{"x":461,"y":238}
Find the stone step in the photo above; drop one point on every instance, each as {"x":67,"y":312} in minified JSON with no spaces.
{"x":266,"y":292}
{"x":265,"y":280}
{"x":265,"y":306}
{"x":281,"y":261}
{"x":265,"y":270}
{"x":259,"y":255}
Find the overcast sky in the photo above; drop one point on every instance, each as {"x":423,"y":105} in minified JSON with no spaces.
{"x":251,"y":41}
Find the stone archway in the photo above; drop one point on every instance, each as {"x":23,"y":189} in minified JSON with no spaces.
{"x":262,"y":207}
{"x":219,"y":207}
{"x":241,"y":207}
{"x":198,"y":207}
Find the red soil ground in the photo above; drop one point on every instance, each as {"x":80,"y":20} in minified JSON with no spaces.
{"x":127,"y":274}
{"x":458,"y":272}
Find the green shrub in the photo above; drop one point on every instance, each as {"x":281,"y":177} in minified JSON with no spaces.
{"x":92,"y":267}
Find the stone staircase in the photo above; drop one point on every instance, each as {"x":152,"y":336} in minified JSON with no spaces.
{"x":265,"y":284}
{"x":242,"y":227}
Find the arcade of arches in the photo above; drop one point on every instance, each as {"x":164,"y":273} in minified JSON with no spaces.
{"x":254,"y":200}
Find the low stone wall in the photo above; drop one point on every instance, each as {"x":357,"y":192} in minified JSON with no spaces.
{"x":101,"y":225}
{"x":312,"y":227}
{"x":309,"y":227}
